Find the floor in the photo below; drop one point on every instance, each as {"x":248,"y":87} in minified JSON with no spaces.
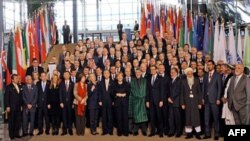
{"x":88,"y":137}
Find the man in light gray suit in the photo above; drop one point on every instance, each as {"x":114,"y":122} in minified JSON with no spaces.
{"x":212,"y":85}
{"x":239,"y":96}
{"x":29,"y":108}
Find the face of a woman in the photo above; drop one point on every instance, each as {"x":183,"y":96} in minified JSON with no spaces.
{"x":55,"y":78}
{"x":119,"y":78}
{"x":83,"y":79}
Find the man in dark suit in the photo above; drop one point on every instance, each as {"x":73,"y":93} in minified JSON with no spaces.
{"x":30,"y":95}
{"x":165,"y":81}
{"x":119,"y":29}
{"x":43,"y":88}
{"x":105,"y":101}
{"x":136,"y":27}
{"x":174,"y":104}
{"x":154,"y":102}
{"x":82,"y":62}
{"x":239,"y":96}
{"x":13,"y":104}
{"x":34,"y":68}
{"x":78,"y":69}
{"x":212,"y":86}
{"x":66,"y":102}
{"x":112,"y":56}
{"x":66,"y":33}
{"x":110,"y":43}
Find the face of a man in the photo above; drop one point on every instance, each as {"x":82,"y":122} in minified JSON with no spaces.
{"x":190,"y":74}
{"x":239,"y":69}
{"x":106,"y":74}
{"x":15,"y":80}
{"x":138,"y":74}
{"x":43,"y":77}
{"x":210,"y":66}
{"x":161,"y":69}
{"x":153,"y":70}
{"x":28,"y":80}
{"x":173,"y":74}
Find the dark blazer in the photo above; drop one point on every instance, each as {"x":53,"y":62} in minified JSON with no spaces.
{"x":66,"y":30}
{"x":30,"y":96}
{"x":42,"y":96}
{"x":175,"y":91}
{"x":66,"y":97}
{"x":85,"y":63}
{"x":100,"y":63}
{"x":156,"y":91}
{"x":93,"y":96}
{"x":12,"y":98}
{"x":212,"y":90}
{"x":166,"y":89}
{"x":31,"y":69}
{"x":106,"y":96}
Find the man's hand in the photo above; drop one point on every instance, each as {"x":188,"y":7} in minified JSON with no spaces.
{"x":29,"y":106}
{"x":49,"y":106}
{"x":147,"y":104}
{"x":61,"y":105}
{"x":218,"y":102}
{"x":92,"y":88}
{"x":224,"y":100}
{"x":183,"y":107}
{"x":170,"y":100}
{"x":100,"y":103}
{"x":160,"y":104}
{"x":199,"y":106}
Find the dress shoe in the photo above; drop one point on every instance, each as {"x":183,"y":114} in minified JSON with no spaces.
{"x":170,"y":135}
{"x":71,"y":133}
{"x":126,"y":134}
{"x":151,"y":134}
{"x":119,"y":134}
{"x":31,"y":134}
{"x":47,"y":132}
{"x":144,"y":133}
{"x":206,"y":137}
{"x":64,"y":133}
{"x":94,"y":133}
{"x":25,"y":134}
{"x":178,"y":135}
{"x":135,"y":133}
{"x":216,"y":138}
{"x":161,"y":135}
{"x":111,"y":133}
{"x":18,"y":136}
{"x":39,"y":133}
{"x":198,"y":136}
{"x":189,"y":136}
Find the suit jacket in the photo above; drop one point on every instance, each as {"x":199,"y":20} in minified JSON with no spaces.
{"x":156,"y":91}
{"x":66,"y":30}
{"x":31,"y":69}
{"x":175,"y":91}
{"x":212,"y":90}
{"x":239,"y":95}
{"x":166,"y":88}
{"x":101,"y":63}
{"x":106,"y":96}
{"x":30,"y":96}
{"x":93,"y":96}
{"x":82,"y":66}
{"x":12,"y":98}
{"x":66,"y":97}
{"x":42,"y":95}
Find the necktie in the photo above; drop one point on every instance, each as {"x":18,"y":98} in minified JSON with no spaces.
{"x":106,"y":84}
{"x":67,"y":86}
{"x":210,"y":76}
{"x":153,"y":81}
{"x":43,"y":85}
{"x":35,"y":69}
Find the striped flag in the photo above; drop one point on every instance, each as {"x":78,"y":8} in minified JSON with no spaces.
{"x":246,"y":57}
{"x":143,"y":22}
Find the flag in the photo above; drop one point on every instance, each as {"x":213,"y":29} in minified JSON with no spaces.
{"x":148,"y":13}
{"x":143,"y":22}
{"x":25,"y":49}
{"x":206,"y":38}
{"x":216,"y":54}
{"x":239,"y":49}
{"x":162,"y":20}
{"x":200,"y":33}
{"x":190,"y":29}
{"x":157,"y":20}
{"x":220,"y":48}
{"x":20,"y":62}
{"x":42,"y":38}
{"x":195,"y":36}
{"x":246,"y":60}
{"x":231,"y":57}
{"x":46,"y":30}
{"x":211,"y":38}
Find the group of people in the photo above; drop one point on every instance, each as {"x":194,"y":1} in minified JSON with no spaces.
{"x":147,"y":83}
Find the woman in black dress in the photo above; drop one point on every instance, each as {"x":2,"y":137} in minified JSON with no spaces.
{"x":53,"y":103}
{"x":121,"y":92}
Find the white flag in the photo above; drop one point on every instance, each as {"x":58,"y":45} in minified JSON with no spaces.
{"x":222,"y":45}
{"x":216,"y":54}
{"x":239,"y":49}
{"x":232,"y":58}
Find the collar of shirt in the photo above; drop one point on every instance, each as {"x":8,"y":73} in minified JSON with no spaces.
{"x":239,"y":76}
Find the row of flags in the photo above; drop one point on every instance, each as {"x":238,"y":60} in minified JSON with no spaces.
{"x":199,"y":31}
{"x":32,"y":40}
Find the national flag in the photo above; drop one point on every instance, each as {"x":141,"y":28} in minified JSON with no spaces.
{"x":143,"y":22}
{"x":239,"y":49}
{"x":157,"y":20}
{"x":211,"y":38}
{"x":19,"y":54}
{"x":220,"y":48}
{"x":25,"y":49}
{"x":163,"y":20}
{"x":231,"y":56}
{"x":42,"y":33}
{"x":216,"y":54}
{"x":206,"y":38}
{"x":246,"y":56}
{"x":200,"y":32}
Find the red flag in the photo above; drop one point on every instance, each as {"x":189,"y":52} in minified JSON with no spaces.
{"x":163,"y":20}
{"x":35,"y":40}
{"x":143,"y":22}
{"x":43,"y":46}
{"x":5,"y":67}
{"x":19,"y":54}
